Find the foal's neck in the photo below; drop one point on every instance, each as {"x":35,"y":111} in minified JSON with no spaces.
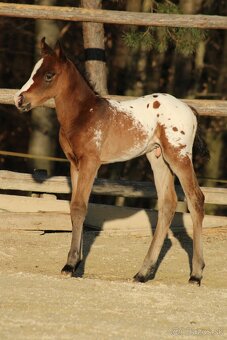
{"x":74,"y":97}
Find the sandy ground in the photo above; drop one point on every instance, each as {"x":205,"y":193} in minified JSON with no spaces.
{"x":103,"y":302}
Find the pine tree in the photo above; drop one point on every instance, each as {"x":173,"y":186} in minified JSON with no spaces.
{"x":185,"y":40}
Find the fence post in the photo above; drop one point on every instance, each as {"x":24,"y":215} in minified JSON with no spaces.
{"x":95,"y":63}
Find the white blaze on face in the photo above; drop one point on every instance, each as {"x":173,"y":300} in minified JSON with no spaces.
{"x":29,"y":83}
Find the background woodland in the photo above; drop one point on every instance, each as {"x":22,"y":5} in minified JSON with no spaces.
{"x":139,"y":61}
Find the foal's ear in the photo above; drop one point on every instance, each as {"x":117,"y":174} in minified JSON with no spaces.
{"x":59,"y":51}
{"x":45,"y":49}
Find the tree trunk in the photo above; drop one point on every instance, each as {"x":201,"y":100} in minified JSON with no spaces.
{"x":215,"y":134}
{"x":141,"y":55}
{"x":181,"y":69}
{"x":191,"y":6}
{"x":215,"y":142}
{"x":141,"y":71}
{"x":44,"y":124}
{"x":93,"y":34}
{"x":199,"y":66}
{"x":222,"y":79}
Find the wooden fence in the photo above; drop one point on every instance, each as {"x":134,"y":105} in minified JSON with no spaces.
{"x":112,"y":17}
{"x":30,"y":202}
{"x":209,"y":107}
{"x":35,"y":205}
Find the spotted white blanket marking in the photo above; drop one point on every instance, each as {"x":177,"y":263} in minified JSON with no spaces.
{"x":172,"y":114}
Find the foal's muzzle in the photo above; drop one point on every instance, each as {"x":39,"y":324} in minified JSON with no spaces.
{"x":21,"y":104}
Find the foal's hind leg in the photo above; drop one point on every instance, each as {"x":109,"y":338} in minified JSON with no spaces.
{"x":167,"y":201}
{"x":184,"y":170}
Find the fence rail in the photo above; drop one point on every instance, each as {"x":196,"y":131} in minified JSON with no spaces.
{"x":112,"y":17}
{"x":39,"y":182}
{"x":205,"y":107}
{"x":46,"y":212}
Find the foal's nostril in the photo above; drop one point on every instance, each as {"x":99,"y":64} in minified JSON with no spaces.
{"x":20,"y":100}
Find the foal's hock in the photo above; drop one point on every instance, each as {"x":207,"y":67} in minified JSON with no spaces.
{"x":94,"y":131}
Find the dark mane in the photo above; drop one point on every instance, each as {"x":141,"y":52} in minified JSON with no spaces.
{"x":81,"y":69}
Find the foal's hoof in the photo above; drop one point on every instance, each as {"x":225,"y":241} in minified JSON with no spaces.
{"x":67,"y":270}
{"x":195,"y":280}
{"x":139,"y":278}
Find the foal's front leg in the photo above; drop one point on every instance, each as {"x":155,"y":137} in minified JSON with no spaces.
{"x":82,"y":181}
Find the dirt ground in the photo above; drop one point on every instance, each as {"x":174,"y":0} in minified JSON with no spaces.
{"x":36,"y":302}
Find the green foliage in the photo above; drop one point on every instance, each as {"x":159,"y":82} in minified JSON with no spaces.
{"x":132,"y":38}
{"x":185,"y":40}
{"x":167,"y":7}
{"x":136,"y":38}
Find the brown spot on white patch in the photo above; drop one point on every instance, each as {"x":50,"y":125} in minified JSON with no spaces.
{"x":158,"y":115}
{"x":131,"y":107}
{"x":182,"y":132}
{"x":175,"y":129}
{"x":156,"y":104}
{"x":155,"y":95}
{"x":148,"y":105}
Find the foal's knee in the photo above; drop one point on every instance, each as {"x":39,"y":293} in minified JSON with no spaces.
{"x":201,"y":198}
{"x":168,"y":205}
{"x":199,"y":201}
{"x":78,"y":209}
{"x":171,"y":200}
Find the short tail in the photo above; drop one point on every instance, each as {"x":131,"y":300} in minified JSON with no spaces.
{"x":200,"y":146}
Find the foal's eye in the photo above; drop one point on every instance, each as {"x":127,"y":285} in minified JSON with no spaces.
{"x":49,"y":76}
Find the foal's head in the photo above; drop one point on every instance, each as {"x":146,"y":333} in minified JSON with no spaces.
{"x":44,"y":80}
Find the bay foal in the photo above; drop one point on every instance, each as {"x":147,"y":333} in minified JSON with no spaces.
{"x":94,"y":131}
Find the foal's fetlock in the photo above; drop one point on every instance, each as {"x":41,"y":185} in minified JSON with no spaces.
{"x":196,"y":278}
{"x":196,"y":275}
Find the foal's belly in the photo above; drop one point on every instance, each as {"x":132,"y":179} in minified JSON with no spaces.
{"x":121,"y":154}
{"x":126,"y":139}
